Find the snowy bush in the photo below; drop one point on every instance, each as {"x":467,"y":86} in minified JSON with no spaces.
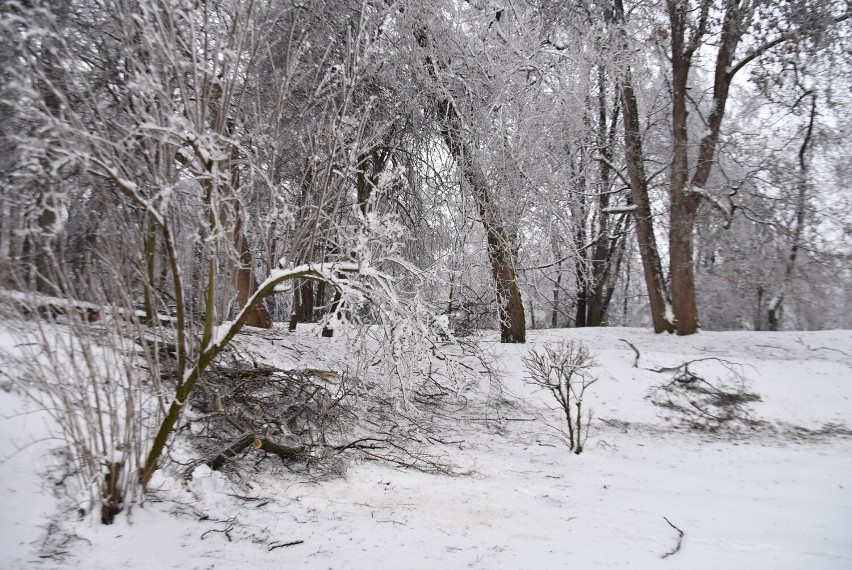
{"x":563,"y":369}
{"x":99,"y":382}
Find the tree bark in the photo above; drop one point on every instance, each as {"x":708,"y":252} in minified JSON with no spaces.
{"x":685,"y":193}
{"x":607,"y":251}
{"x":242,"y":268}
{"x":245,"y":281}
{"x":509,"y":303}
{"x":510,"y":307}
{"x":776,"y":306}
{"x":557,"y":285}
{"x":648,"y":251}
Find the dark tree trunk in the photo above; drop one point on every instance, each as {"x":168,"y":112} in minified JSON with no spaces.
{"x":776,"y":306}
{"x":557,"y":285}
{"x":244,"y":279}
{"x":297,"y":308}
{"x":648,"y":251}
{"x":306,"y":301}
{"x":685,"y":192}
{"x":684,"y":203}
{"x":651,"y":264}
{"x":510,"y":308}
{"x":607,"y":251}
{"x":581,"y":277}
{"x":328,"y":329}
{"x":242,"y":268}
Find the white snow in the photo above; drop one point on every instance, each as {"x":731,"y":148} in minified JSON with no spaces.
{"x":767,"y":499}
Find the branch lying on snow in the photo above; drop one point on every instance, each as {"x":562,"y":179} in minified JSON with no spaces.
{"x":241,"y":443}
{"x":684,"y":366}
{"x":636,"y":350}
{"x":702,"y":404}
{"x":285,"y":544}
{"x":679,"y":540}
{"x":827,"y":348}
{"x":394,"y":453}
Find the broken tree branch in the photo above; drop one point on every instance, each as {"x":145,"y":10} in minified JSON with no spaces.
{"x":679,"y":540}
{"x":242,"y":442}
{"x":636,"y":350}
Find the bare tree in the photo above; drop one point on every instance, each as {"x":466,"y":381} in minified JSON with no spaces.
{"x":455,"y":135}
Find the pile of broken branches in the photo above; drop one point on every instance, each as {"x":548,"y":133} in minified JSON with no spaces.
{"x":308,"y":418}
{"x":702,"y":404}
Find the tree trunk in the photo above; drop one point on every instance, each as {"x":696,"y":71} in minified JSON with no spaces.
{"x":776,"y":306}
{"x":557,"y":285}
{"x":651,"y":264}
{"x":648,"y":251}
{"x":510,"y":307}
{"x":244,"y":279}
{"x":684,"y":305}
{"x":684,"y":204}
{"x":243,"y":267}
{"x":606,"y":251}
{"x":328,"y":329}
{"x":580,"y":273}
{"x":297,"y":308}
{"x":307,"y":302}
{"x":685,"y":193}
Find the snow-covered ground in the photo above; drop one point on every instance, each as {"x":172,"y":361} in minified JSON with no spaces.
{"x":776,"y":496}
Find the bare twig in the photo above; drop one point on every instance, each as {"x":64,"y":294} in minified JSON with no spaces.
{"x":685,"y":365}
{"x":231,"y":523}
{"x":679,"y":540}
{"x":636,"y":350}
{"x":285,"y":544}
{"x":828,"y":348}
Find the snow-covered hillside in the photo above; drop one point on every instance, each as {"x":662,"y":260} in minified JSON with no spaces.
{"x":771,"y":488}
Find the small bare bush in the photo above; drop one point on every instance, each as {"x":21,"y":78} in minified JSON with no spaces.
{"x":564,"y":370}
{"x":99,"y":386}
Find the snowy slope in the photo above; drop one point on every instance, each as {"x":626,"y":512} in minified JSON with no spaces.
{"x":774,"y":495}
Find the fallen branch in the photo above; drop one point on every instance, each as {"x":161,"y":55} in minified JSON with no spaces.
{"x":636,"y":350}
{"x":827,"y":348}
{"x":685,"y":365}
{"x":285,"y":544}
{"x":679,"y":540}
{"x":231,"y":523}
{"x":243,"y":441}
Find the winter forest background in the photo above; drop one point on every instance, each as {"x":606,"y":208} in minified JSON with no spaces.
{"x":402,"y":174}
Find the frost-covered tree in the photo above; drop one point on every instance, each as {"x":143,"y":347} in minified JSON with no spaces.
{"x":704,"y":46}
{"x":216,"y":150}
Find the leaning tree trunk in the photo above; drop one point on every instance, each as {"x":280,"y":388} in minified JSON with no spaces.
{"x":510,"y":307}
{"x":648,"y":251}
{"x":651,"y":264}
